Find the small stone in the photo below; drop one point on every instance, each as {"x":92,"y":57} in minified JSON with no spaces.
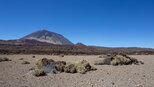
{"x":139,"y":85}
{"x":1,"y":82}
{"x":21,"y":59}
{"x":112,"y":83}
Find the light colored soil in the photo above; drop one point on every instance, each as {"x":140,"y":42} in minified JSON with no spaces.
{"x":14,"y":74}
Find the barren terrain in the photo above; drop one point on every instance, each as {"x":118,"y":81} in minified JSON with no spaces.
{"x":14,"y":74}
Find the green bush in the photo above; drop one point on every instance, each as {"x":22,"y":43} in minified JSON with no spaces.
{"x":121,"y":60}
{"x":83,"y":67}
{"x":43,"y":62}
{"x":39,"y":62}
{"x":118,"y":59}
{"x":25,"y":62}
{"x":78,"y":67}
{"x":60,"y":65}
{"x":39,"y":72}
{"x":70,"y":68}
{"x":134,"y":60}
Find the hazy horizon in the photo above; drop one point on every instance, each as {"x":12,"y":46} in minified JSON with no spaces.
{"x":108,"y":23}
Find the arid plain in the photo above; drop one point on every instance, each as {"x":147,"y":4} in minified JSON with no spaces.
{"x":14,"y":74}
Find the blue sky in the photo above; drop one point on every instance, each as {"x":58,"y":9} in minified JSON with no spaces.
{"x":111,"y":23}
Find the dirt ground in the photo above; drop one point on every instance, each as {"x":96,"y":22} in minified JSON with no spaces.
{"x":14,"y":74}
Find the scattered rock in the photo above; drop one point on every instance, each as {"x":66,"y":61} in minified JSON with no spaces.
{"x":139,"y":85}
{"x":21,"y":59}
{"x":1,"y":82}
{"x":33,"y":56}
{"x":143,"y":75}
{"x":112,"y":83}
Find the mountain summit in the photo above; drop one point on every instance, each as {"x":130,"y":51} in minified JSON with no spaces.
{"x":48,"y":37}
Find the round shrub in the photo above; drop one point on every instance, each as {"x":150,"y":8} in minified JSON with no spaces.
{"x":44,"y":62}
{"x":70,"y":68}
{"x":60,"y":65}
{"x":39,"y":72}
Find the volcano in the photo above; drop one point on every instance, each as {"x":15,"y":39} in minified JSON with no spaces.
{"x":48,"y":37}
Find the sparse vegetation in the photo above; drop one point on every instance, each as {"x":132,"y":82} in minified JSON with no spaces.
{"x":78,"y":67}
{"x":43,"y":62}
{"x":118,"y":59}
{"x":5,"y":59}
{"x":61,"y":66}
{"x":25,"y":62}
{"x":39,"y":72}
{"x":70,"y":68}
{"x":101,"y":56}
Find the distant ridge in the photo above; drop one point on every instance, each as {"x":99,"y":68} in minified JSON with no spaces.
{"x":79,"y":44}
{"x":48,"y":37}
{"x":46,"y":42}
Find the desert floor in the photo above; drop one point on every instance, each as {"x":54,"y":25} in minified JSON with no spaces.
{"x":14,"y":74}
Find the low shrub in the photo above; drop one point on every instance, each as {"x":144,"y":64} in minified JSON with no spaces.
{"x":25,"y":62}
{"x":100,"y":56}
{"x":78,"y":67}
{"x":43,"y":62}
{"x":60,"y":65}
{"x":118,"y":59}
{"x":70,"y":68}
{"x":5,"y":59}
{"x":51,"y":66}
{"x":39,"y":72}
{"x":121,"y":60}
{"x":83,"y":66}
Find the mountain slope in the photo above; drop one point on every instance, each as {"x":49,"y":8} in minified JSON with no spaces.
{"x":48,"y":37}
